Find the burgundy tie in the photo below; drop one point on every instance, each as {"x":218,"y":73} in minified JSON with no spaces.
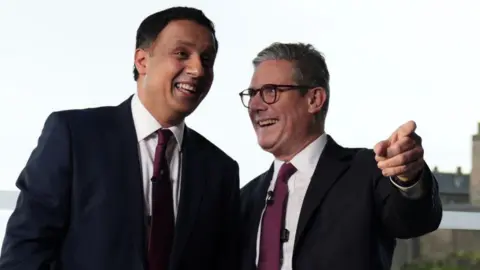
{"x":273,"y":220}
{"x":162,"y":221}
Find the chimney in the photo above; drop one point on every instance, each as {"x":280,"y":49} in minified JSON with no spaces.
{"x":435,"y":169}
{"x":459,"y":170}
{"x":475,"y":175}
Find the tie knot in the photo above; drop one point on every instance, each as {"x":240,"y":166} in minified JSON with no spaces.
{"x":286,"y":171}
{"x":164,"y":136}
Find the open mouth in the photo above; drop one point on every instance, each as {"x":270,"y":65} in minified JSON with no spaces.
{"x":267,"y":122}
{"x":187,"y":89}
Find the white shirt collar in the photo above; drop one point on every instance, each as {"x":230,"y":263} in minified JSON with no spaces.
{"x":146,"y":124}
{"x":306,"y":160}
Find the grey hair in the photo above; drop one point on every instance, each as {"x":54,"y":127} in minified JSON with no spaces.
{"x":310,"y":66}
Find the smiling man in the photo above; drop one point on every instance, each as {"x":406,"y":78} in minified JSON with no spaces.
{"x":320,"y":205}
{"x":131,"y":187}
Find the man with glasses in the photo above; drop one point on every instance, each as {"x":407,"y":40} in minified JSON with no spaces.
{"x":320,"y":205}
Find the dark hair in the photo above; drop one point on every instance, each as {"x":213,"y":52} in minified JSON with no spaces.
{"x":151,"y":26}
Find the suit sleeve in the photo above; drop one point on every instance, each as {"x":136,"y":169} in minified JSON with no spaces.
{"x":38,"y":224}
{"x":408,"y":217}
{"x":229,"y":255}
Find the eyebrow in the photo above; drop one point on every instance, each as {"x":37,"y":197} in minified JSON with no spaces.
{"x":185,"y":43}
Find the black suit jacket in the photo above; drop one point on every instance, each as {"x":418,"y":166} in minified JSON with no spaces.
{"x":351,"y":214}
{"x":81,"y":204}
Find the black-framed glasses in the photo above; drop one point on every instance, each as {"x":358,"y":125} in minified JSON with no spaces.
{"x":268,"y":92}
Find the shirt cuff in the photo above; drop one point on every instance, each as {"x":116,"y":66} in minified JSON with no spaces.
{"x":414,"y":191}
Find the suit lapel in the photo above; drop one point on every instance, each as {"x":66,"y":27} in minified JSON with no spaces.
{"x":329,"y":168}
{"x":193,"y":179}
{"x":126,"y":139}
{"x":259,"y":197}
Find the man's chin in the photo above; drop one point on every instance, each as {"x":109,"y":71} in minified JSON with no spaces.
{"x":266,"y":144}
{"x":186,"y":106}
{"x":185,"y":111}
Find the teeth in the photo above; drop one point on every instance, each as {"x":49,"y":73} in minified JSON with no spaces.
{"x":186,"y":86}
{"x":267,"y":122}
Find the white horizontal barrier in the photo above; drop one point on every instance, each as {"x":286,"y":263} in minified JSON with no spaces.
{"x":457,"y":220}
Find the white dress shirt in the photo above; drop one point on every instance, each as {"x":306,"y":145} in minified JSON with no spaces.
{"x":146,"y":126}
{"x":305,"y":162}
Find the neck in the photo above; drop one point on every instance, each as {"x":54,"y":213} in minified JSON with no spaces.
{"x":289,"y":153}
{"x":165,"y":118}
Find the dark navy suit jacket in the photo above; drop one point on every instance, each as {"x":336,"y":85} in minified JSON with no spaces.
{"x":81,"y":203}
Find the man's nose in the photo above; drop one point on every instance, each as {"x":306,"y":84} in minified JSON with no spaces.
{"x":195,"y":67}
{"x":256,"y":103}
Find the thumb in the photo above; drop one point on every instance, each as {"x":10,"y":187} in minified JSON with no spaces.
{"x":406,"y":129}
{"x":380,"y":148}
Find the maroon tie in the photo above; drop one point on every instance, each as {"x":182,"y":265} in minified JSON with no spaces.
{"x":162,"y":221}
{"x":273,"y":220}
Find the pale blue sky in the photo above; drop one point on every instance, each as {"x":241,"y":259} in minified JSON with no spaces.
{"x":390,"y":61}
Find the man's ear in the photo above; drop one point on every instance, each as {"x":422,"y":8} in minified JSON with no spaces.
{"x":140,"y":61}
{"x":316,"y":99}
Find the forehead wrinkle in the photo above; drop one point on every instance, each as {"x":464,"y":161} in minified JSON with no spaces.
{"x":204,"y":48}
{"x":274,"y":76}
